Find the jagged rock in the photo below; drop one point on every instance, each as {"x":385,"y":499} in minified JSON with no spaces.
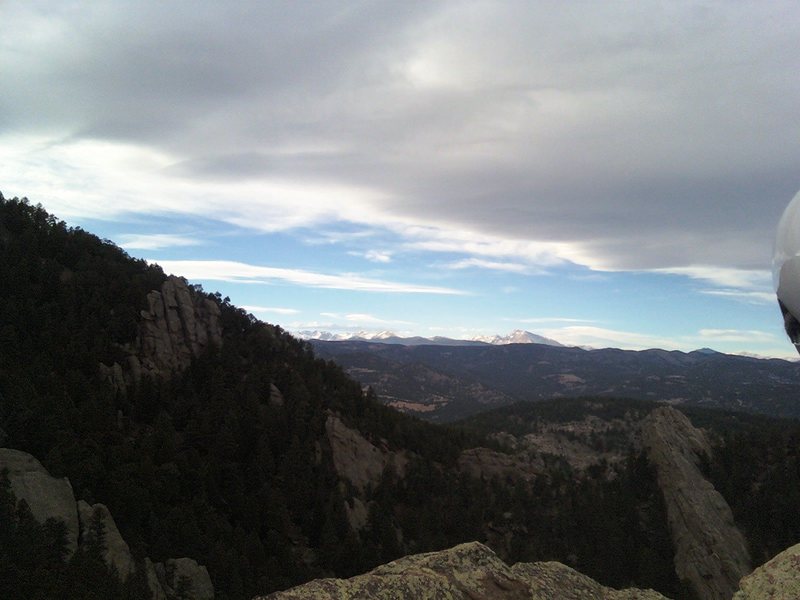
{"x":356,"y":459}
{"x":177,"y":326}
{"x":778,"y":579}
{"x":468,"y":571}
{"x":485,"y":463}
{"x":185,"y":576}
{"x":117,"y":551}
{"x":710,"y":552}
{"x":48,"y":497}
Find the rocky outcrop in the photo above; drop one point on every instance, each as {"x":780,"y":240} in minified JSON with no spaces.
{"x":47,"y":496}
{"x":184,"y":578}
{"x":778,"y":579}
{"x":710,"y":552}
{"x":358,"y":460}
{"x":177,"y":326}
{"x":469,"y":571}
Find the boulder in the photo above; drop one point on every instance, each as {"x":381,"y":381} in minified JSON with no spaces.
{"x":710,"y":552}
{"x":48,"y":497}
{"x":468,"y":571}
{"x":778,"y":579}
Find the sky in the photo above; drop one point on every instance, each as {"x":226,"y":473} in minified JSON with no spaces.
{"x":601,"y":173}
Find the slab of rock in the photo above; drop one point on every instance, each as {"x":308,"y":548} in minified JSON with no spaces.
{"x":710,"y":552}
{"x":778,"y":579}
{"x":48,"y":497}
{"x":468,"y":571}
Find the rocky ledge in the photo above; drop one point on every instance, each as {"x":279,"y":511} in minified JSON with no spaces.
{"x":469,"y":571}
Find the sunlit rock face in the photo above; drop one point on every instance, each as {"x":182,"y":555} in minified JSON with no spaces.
{"x":786,"y":269}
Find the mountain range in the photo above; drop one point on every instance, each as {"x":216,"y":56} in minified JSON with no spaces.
{"x":446,"y":383}
{"x":518,"y":336}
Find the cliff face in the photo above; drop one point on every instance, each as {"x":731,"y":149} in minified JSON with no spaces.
{"x":177,"y":326}
{"x":469,"y":571}
{"x":710,"y":552}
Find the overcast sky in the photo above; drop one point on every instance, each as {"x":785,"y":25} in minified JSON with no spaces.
{"x":604,"y":173}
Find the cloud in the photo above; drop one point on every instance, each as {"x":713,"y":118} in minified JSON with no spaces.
{"x":725,"y":277}
{"x":237,"y":272}
{"x":599,"y":337}
{"x":378,"y":256}
{"x":736,"y":335}
{"x":156,"y":241}
{"x":746,"y":296}
{"x":654,"y":136}
{"x":492,"y":265}
{"x":540,"y":320}
{"x":364,"y":318}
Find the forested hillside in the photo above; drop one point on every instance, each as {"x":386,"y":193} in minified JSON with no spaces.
{"x":200,"y":464}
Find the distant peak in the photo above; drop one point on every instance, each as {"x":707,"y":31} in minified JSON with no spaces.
{"x":518,"y":336}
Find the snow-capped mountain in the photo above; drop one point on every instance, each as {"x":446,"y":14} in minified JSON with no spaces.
{"x":327,"y":336}
{"x":518,"y":336}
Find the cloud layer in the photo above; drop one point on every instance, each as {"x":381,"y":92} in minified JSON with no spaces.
{"x":616,"y":136}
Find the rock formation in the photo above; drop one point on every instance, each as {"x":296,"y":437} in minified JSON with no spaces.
{"x":46,"y":496}
{"x":778,"y":579}
{"x":469,"y":571}
{"x":710,"y":552}
{"x":356,"y":459}
{"x":177,"y":326}
{"x":49,"y":497}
